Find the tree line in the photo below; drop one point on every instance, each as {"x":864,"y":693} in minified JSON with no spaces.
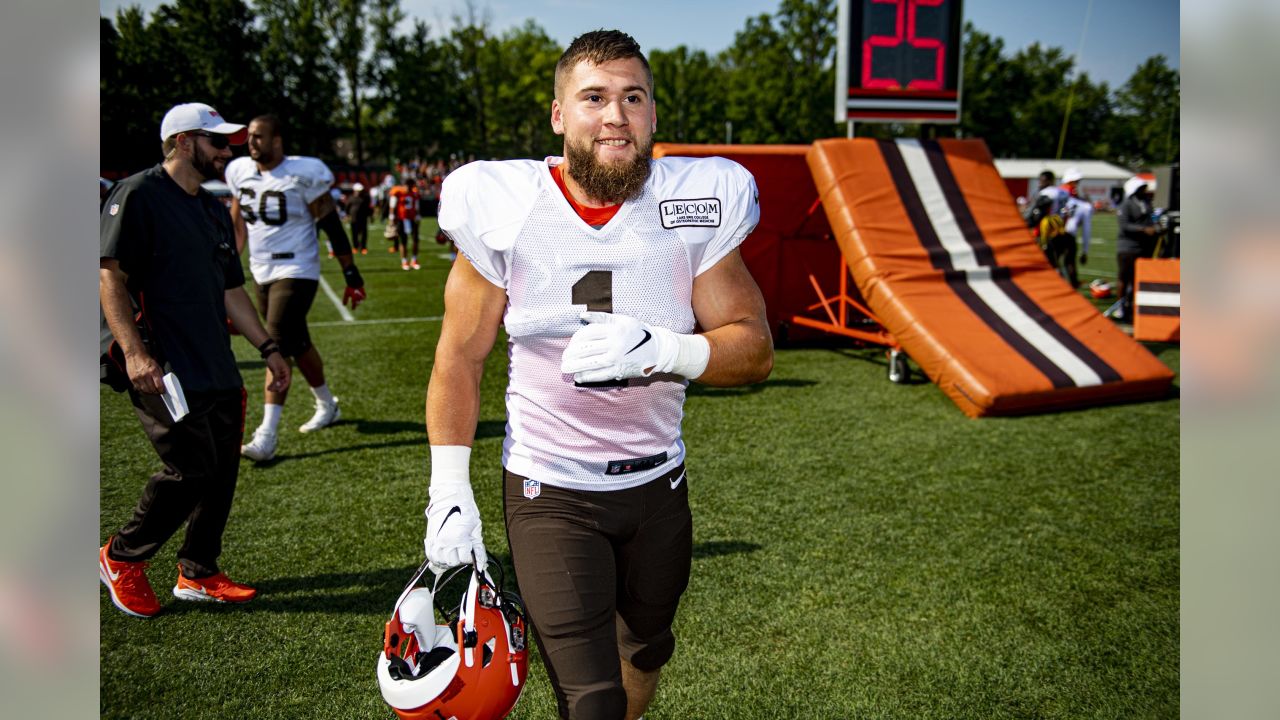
{"x":359,"y":87}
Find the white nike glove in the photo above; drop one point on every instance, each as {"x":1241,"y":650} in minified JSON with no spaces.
{"x":617,"y":347}
{"x":453,"y":520}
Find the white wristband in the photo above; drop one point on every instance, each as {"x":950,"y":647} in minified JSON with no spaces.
{"x":450,"y":465}
{"x":693,"y":352}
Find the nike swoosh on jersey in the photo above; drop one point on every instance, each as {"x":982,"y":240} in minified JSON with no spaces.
{"x":676,"y":483}
{"x":647,"y":336}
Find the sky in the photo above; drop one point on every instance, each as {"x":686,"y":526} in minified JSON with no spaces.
{"x":1121,"y":34}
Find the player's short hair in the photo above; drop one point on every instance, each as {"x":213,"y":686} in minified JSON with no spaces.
{"x":1047,"y":175}
{"x":598,"y":47}
{"x":169,"y":145}
{"x":277,"y":125}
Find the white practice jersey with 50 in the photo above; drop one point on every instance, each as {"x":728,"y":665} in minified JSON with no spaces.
{"x":274,"y":204}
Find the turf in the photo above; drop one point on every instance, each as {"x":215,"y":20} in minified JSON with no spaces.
{"x":862,"y":549}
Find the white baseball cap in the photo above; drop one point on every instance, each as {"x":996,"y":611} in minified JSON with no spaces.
{"x":357,"y":187}
{"x":198,"y":116}
{"x":1071,"y":175}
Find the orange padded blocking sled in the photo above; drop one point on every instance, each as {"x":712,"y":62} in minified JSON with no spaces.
{"x":1157,"y":300}
{"x":944,"y":260}
{"x":793,"y":241}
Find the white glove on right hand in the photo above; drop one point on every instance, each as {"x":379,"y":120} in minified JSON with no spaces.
{"x":617,"y":347}
{"x":453,"y":521}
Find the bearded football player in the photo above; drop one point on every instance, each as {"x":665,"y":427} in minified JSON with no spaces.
{"x":618,"y":280}
{"x":278,"y":203}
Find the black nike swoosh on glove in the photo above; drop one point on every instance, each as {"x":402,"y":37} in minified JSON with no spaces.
{"x":647,"y":336}
{"x":455,"y":509}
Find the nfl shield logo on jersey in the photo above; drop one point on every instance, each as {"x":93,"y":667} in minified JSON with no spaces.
{"x":532,"y":489}
{"x":115,"y":208}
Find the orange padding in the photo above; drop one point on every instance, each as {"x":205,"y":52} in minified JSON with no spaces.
{"x":791,"y":243}
{"x":939,"y":251}
{"x":1157,"y":300}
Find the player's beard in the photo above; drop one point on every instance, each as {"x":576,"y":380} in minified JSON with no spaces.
{"x":263,"y":155}
{"x":608,"y":182}
{"x":208,"y":166}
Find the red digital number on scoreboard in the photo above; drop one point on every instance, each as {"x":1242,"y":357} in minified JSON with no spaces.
{"x":900,"y":59}
{"x":905,"y":8}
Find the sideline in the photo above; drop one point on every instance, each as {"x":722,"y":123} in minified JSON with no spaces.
{"x":337,"y":302}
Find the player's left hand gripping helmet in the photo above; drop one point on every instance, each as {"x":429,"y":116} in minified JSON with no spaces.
{"x":471,"y":667}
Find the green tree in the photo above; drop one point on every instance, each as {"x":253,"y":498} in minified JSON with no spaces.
{"x":349,"y":27}
{"x":379,"y":110}
{"x":1148,"y":111}
{"x":300,"y":75}
{"x":521,"y":67}
{"x":465,"y":51}
{"x":422,"y":94}
{"x":688,"y":90}
{"x":129,"y":121}
{"x":780,"y":74}
{"x":1089,"y":119}
{"x":987,"y":102}
{"x":226,"y":72}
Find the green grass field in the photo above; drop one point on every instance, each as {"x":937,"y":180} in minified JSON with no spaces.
{"x":862,"y":549}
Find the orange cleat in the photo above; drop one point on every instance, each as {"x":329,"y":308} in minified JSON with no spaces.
{"x":127,"y":582}
{"x":215,"y":588}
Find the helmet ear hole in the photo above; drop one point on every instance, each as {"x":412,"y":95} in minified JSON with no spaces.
{"x":487,"y":656}
{"x":428,"y":661}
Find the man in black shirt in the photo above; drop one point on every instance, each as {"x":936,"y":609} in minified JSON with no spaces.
{"x":1137,"y":238}
{"x":169,"y":276}
{"x":358,"y":211}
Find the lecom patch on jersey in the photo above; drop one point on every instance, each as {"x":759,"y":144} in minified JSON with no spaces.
{"x":702,"y":212}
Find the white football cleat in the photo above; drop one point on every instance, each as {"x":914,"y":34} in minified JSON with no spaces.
{"x":261,"y":448}
{"x":326,"y":415}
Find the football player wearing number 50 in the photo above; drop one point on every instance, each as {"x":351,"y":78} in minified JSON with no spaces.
{"x":600,"y":264}
{"x":278,"y":202}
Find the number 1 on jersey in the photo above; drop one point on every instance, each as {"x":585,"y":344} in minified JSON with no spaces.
{"x":595,"y":290}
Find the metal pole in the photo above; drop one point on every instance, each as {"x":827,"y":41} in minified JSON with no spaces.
{"x":849,"y":127}
{"x":1071,"y":94}
{"x":728,"y":132}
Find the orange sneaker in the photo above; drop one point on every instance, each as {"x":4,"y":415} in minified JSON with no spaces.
{"x":364,"y":251}
{"x":128,"y":585}
{"x":215,"y":588}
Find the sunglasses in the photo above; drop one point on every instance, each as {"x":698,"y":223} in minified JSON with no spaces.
{"x":219,"y":142}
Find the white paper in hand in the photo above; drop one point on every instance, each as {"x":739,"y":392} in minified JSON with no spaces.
{"x":173,"y":398}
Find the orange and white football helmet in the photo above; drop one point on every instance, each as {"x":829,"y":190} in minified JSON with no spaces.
{"x":471,"y":667}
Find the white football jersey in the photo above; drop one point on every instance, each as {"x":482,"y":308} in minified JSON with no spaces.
{"x":513,"y":223}
{"x":273,"y":203}
{"x":1079,"y":217}
{"x":1057,"y":195}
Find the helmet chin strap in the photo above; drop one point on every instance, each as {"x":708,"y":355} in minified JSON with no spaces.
{"x":422,"y":570}
{"x":467,"y":618}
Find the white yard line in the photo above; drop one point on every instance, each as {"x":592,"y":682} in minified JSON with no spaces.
{"x":384,"y":321}
{"x":337,"y":302}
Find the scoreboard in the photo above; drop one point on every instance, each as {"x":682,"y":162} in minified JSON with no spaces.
{"x":899,"y":61}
